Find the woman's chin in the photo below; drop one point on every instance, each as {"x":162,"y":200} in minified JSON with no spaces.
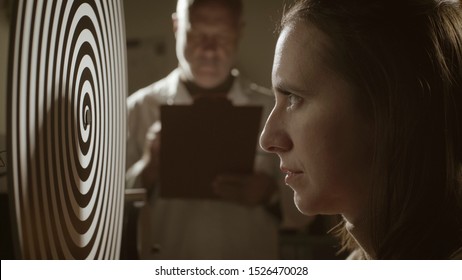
{"x":305,"y":207}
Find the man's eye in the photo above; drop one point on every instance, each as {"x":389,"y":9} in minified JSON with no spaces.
{"x":224,"y":39}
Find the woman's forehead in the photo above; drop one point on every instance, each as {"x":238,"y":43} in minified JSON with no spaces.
{"x":304,"y":44}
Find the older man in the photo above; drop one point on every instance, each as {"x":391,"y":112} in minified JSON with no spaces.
{"x":239,"y":225}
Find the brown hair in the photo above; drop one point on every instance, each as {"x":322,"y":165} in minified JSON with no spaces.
{"x":405,"y":57}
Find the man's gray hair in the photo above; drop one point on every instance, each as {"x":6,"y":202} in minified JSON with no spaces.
{"x":183,"y":6}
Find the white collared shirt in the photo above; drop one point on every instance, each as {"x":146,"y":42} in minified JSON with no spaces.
{"x":199,"y":229}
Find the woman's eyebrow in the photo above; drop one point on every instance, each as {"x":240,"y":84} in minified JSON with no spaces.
{"x":287,"y":89}
{"x":282,"y":90}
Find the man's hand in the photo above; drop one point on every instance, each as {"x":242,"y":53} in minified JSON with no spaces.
{"x":248,"y":189}
{"x":151,"y":155}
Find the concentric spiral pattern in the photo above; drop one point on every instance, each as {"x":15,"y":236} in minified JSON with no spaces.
{"x":67,"y":128}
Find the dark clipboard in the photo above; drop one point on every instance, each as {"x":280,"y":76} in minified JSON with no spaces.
{"x":202,"y":140}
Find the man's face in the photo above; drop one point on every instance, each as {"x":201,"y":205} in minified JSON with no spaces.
{"x":206,"y":45}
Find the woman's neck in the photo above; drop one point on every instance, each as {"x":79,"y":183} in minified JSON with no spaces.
{"x":359,"y":230}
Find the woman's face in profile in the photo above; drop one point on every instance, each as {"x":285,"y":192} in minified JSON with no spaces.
{"x":316,"y":128}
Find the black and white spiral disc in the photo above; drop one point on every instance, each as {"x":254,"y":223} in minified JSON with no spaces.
{"x":67,"y":91}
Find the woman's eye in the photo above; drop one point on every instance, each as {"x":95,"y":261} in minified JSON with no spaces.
{"x":293,"y":100}
{"x":288,"y":99}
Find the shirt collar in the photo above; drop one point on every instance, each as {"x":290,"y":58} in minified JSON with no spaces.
{"x":180,"y":95}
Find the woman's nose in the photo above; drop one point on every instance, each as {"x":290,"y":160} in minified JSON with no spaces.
{"x":274,"y":138}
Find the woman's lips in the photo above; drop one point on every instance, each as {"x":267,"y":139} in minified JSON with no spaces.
{"x":291,"y":175}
